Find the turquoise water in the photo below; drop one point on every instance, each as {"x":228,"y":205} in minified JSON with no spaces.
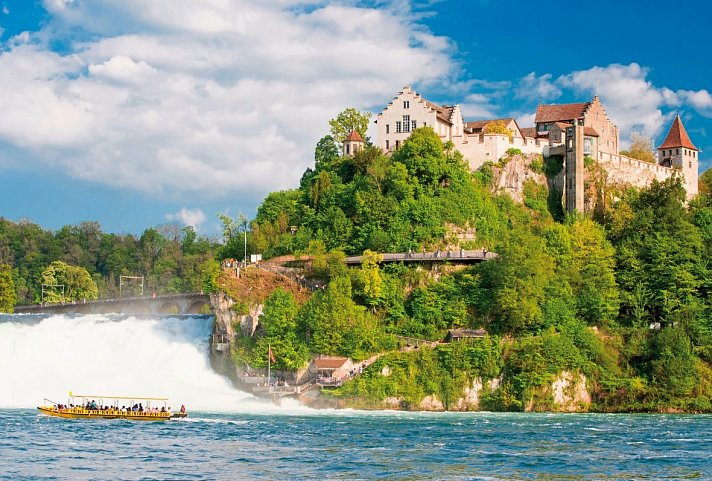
{"x":358,"y":446}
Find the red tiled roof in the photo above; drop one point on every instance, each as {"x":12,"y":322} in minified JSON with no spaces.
{"x":590,"y":131}
{"x":560,"y":112}
{"x":677,"y":136}
{"x":330,"y":362}
{"x":443,"y":112}
{"x":478,"y":126}
{"x":529,"y":132}
{"x":562,"y":125}
{"x":354,"y":136}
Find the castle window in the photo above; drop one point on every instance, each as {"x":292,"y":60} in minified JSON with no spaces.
{"x":398,"y":127}
{"x":406,"y":104}
{"x":587,"y":145}
{"x":413,"y":124}
{"x":348,"y":149}
{"x":690,"y":164}
{"x":387,"y":144}
{"x":397,"y":144}
{"x":388,"y":129}
{"x":677,"y":152}
{"x":406,"y":123}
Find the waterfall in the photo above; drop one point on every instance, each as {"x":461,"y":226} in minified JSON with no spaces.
{"x":111,"y":355}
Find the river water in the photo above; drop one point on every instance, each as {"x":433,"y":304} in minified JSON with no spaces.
{"x":230,"y":435}
{"x":358,"y":446}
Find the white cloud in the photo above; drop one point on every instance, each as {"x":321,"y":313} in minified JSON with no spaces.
{"x":213,"y":96}
{"x":537,"y":88}
{"x":631,"y":100}
{"x":701,"y":100}
{"x":477,"y":106}
{"x":193,"y":217}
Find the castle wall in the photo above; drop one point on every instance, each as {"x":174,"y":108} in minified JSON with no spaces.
{"x":633,"y":171}
{"x":478,"y":149}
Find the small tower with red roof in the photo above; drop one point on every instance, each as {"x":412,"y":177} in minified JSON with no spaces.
{"x":352,"y":143}
{"x":679,"y":152}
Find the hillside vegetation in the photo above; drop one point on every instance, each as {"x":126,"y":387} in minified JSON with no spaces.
{"x":578,"y":296}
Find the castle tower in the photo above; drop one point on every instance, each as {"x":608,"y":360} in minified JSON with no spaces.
{"x":574,"y":168}
{"x":679,"y":152}
{"x":352,"y":144}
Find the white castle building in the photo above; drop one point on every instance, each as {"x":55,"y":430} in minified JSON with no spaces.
{"x":571,"y":131}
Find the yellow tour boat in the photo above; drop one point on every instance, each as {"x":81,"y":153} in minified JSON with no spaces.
{"x":83,"y":406}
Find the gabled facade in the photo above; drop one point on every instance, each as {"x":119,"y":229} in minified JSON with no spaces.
{"x":408,"y":111}
{"x":600,"y":134}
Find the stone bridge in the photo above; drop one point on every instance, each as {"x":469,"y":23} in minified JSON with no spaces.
{"x":183,"y":303}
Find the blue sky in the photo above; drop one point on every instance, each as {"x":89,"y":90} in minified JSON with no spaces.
{"x":128,"y":113}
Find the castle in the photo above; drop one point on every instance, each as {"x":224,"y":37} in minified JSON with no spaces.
{"x":570,"y":132}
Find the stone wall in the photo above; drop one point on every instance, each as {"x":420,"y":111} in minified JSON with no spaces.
{"x":624,"y":170}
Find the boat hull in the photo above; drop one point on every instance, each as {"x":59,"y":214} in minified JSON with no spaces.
{"x":80,"y":413}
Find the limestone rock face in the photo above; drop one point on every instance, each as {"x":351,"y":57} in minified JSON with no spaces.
{"x":471,"y":399}
{"x":249,"y":321}
{"x":570,"y":393}
{"x":515,"y":172}
{"x":221,"y":304}
{"x":431,"y":403}
{"x":393,"y":402}
{"x":226,"y":318}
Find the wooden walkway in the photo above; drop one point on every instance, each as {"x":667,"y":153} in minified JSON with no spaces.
{"x":454,"y":256}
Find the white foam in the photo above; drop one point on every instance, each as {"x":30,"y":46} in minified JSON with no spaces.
{"x":95,"y":355}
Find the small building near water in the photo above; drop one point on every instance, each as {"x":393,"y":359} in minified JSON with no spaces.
{"x":331,"y":370}
{"x":457,"y":335}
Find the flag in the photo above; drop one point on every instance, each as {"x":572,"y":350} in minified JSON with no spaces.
{"x":270,"y":354}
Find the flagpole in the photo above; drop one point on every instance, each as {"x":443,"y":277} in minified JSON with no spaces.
{"x":269,"y":367}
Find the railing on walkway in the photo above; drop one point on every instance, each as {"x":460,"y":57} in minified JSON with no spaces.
{"x":412,"y":341}
{"x":161,"y":297}
{"x":434,"y":256}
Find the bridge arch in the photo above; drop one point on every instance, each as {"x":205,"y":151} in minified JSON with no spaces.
{"x":169,"y":307}
{"x":199,"y":306}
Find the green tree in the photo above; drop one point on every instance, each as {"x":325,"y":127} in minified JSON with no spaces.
{"x":673,"y":366}
{"x":641,"y":148}
{"x":78,"y":284}
{"x":497,"y":127}
{"x":8,"y":296}
{"x":348,"y":120}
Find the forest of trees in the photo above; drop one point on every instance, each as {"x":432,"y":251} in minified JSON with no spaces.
{"x":621,"y":295}
{"x":88,"y":261}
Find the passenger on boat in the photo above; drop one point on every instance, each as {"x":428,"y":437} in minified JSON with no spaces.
{"x":182,"y":408}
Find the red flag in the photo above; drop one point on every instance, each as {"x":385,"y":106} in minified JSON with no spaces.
{"x":270,"y":354}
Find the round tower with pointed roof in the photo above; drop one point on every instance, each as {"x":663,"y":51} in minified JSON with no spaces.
{"x":679,"y":152}
{"x":353,"y":143}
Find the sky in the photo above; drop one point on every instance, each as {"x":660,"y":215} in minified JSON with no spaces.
{"x":136,"y":113}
